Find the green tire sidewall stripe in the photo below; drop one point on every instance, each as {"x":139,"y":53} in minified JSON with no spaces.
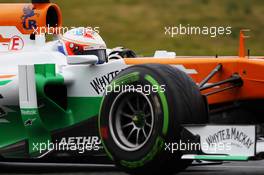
{"x":159,"y":141}
{"x":163,"y":102}
{"x":129,"y":78}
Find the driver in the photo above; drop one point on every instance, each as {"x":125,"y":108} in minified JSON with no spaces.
{"x":83,"y":41}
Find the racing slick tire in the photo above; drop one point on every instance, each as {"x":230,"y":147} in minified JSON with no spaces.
{"x":135,"y":124}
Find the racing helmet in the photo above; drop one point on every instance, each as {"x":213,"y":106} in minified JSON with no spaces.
{"x":83,"y":41}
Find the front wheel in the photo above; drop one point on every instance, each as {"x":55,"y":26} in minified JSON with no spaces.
{"x":144,"y":109}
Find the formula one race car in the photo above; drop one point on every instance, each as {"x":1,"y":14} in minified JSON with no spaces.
{"x":74,"y":100}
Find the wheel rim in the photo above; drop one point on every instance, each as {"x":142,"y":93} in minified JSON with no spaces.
{"x":131,"y":120}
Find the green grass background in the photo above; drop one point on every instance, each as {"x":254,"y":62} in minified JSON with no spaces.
{"x":139,"y":24}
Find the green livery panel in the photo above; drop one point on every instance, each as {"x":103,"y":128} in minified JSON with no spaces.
{"x":55,"y":111}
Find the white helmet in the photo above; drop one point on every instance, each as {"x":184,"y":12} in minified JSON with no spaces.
{"x":83,"y":41}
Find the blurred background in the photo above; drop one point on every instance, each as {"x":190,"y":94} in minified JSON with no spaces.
{"x":139,"y":24}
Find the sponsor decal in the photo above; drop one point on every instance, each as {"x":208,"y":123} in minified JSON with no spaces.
{"x":91,"y":140}
{"x":29,"y":112}
{"x":99,"y":83}
{"x":28,"y":13}
{"x":235,"y":136}
{"x":29,"y":122}
{"x":81,"y":144}
{"x":16,"y":43}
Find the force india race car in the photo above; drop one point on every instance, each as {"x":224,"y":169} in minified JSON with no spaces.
{"x":147,"y":115}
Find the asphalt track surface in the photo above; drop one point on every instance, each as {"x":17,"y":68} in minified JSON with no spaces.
{"x":234,"y":168}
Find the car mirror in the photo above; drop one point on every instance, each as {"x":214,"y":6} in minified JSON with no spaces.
{"x":82,"y":59}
